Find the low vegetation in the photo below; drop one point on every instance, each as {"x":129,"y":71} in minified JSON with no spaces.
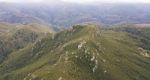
{"x":84,"y":52}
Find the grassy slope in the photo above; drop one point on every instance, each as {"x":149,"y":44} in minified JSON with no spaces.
{"x":104,"y":55}
{"x":15,"y":36}
{"x":139,"y":32}
{"x":142,"y":35}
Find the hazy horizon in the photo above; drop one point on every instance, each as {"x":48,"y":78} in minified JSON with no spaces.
{"x":77,"y":1}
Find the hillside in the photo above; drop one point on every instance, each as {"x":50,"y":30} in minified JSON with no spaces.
{"x":16,"y":36}
{"x":140,"y":32}
{"x":84,"y":52}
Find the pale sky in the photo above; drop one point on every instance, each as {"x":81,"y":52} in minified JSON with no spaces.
{"x":82,"y":1}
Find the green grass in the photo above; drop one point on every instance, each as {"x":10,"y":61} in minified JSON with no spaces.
{"x":116,"y":57}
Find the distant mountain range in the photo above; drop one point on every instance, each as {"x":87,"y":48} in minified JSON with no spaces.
{"x":67,"y":14}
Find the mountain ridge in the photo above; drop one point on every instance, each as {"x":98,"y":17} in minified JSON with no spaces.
{"x":84,"y":52}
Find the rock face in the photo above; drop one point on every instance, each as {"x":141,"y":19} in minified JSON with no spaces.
{"x":77,"y":55}
{"x":144,"y":52}
{"x":81,"y":44}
